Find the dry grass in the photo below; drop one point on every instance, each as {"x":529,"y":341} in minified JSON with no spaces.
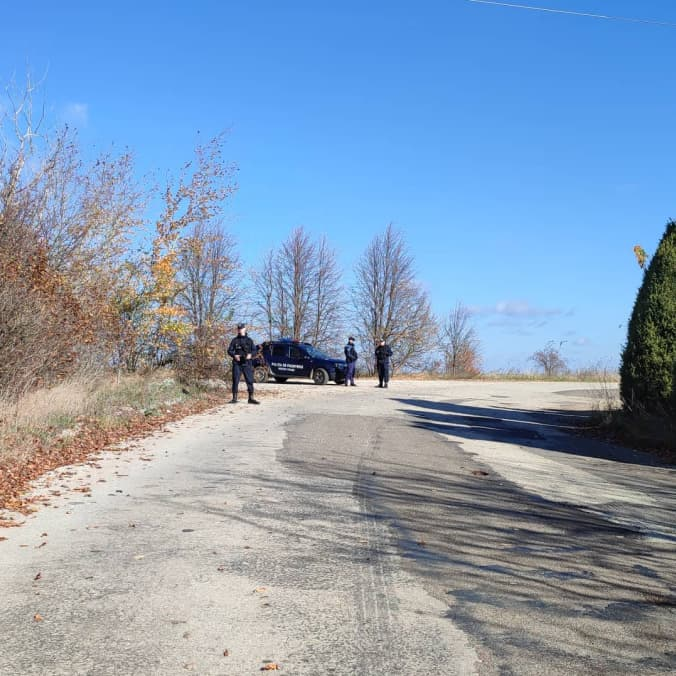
{"x":635,"y":429}
{"x":68,"y":423}
{"x":44,"y":407}
{"x":59,"y":411}
{"x":584,"y":375}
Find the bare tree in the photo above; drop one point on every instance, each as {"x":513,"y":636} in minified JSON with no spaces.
{"x":296,"y":264}
{"x":549,"y":359}
{"x":389,"y":303}
{"x":460,"y":343}
{"x":207,"y":273}
{"x":298,"y":290}
{"x":209,"y":292}
{"x":264,"y":293}
{"x":327,"y":300}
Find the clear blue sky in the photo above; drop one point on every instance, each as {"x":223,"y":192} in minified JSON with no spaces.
{"x":523,"y":153}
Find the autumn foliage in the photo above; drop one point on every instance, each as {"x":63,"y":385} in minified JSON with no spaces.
{"x":87,"y":278}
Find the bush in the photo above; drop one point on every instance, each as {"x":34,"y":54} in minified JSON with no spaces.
{"x":648,"y":370}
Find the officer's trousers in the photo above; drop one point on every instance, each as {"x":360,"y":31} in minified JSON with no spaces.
{"x":383,"y":372}
{"x":238,"y":369}
{"x":349,"y":375}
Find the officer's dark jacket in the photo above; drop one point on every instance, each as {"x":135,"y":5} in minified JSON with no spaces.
{"x":350,"y":353}
{"x":242,"y":346}
{"x":383,"y":354}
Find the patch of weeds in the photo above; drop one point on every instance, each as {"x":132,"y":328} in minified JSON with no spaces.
{"x":642,"y":431}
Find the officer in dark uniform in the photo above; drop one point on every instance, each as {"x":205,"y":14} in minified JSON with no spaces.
{"x":383,"y":354}
{"x":241,"y":350}
{"x":351,"y":357}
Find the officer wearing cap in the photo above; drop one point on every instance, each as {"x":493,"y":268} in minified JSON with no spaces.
{"x":351,"y":357}
{"x":383,"y":354}
{"x":241,"y":351}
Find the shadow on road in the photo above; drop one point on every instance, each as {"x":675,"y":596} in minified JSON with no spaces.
{"x":524,"y":427}
{"x":532,"y":581}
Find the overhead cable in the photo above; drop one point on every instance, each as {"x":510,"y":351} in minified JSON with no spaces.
{"x":572,"y":12}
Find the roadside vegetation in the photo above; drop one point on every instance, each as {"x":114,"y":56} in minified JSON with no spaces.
{"x":648,"y":371}
{"x":48,"y":428}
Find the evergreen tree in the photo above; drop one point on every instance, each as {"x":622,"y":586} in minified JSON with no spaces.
{"x":648,"y":371}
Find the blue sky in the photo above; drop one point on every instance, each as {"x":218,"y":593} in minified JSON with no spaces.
{"x":523,"y":153}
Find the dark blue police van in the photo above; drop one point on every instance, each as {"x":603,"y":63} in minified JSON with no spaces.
{"x":284,"y":359}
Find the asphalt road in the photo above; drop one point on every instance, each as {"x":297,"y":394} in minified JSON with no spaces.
{"x":433,"y":527}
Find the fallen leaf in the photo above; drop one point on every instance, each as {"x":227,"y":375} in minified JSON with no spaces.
{"x":42,"y":544}
{"x":226,"y":653}
{"x":271,"y":666}
{"x":479,"y":472}
{"x":38,"y":576}
{"x":2,"y":537}
{"x":44,"y":535}
{"x":260,"y":590}
{"x":37,"y":617}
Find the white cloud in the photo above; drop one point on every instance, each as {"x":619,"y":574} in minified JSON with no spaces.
{"x":516,"y":309}
{"x":76,"y":114}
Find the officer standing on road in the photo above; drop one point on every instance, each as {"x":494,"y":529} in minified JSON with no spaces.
{"x":351,"y":357}
{"x":383,"y":354}
{"x":241,"y":350}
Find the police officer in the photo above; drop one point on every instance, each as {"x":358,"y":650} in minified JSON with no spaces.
{"x":241,"y":350}
{"x":383,"y":354}
{"x":351,"y":357}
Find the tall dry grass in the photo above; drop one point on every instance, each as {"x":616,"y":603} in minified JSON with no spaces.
{"x":59,"y":411}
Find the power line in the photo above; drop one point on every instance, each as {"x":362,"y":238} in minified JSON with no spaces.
{"x":575,"y":13}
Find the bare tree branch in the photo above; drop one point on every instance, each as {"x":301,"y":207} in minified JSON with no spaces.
{"x":389,"y":303}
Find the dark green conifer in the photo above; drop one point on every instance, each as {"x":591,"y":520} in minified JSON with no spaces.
{"x":648,"y":370}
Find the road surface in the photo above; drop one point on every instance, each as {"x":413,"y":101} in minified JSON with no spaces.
{"x":433,"y":527}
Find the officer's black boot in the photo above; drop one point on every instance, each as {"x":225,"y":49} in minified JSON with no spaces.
{"x":252,"y":400}
{"x":234,"y":398}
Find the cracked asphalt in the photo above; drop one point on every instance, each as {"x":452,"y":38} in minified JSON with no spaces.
{"x":434,"y":527}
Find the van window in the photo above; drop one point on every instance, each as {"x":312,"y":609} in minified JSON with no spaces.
{"x":296,"y":352}
{"x":279,"y":350}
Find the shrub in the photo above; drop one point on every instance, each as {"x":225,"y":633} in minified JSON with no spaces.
{"x":648,"y":370}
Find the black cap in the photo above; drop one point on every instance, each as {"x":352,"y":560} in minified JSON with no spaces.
{"x":241,"y":325}
{"x":351,"y":338}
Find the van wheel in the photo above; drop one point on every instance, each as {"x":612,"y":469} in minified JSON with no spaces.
{"x":320,"y":376}
{"x":280,"y":380}
{"x":260,"y":375}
